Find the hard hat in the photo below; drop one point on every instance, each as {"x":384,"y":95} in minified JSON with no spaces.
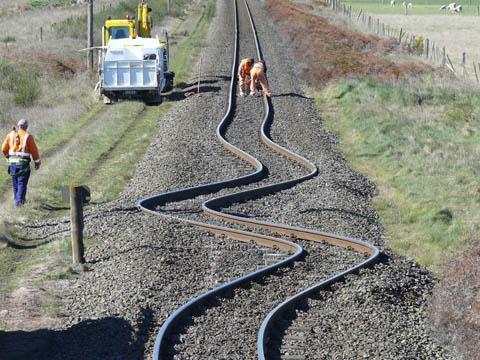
{"x":23,"y":123}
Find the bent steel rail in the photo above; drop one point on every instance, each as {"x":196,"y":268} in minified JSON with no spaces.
{"x":212,"y":207}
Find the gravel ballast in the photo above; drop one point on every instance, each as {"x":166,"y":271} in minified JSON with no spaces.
{"x":144,"y":267}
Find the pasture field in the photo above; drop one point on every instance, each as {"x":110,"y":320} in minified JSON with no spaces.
{"x":458,"y":33}
{"x":420,"y":7}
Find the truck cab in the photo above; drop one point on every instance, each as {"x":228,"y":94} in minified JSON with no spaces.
{"x":119,"y":29}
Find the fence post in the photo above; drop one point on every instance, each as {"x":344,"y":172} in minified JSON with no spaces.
{"x":464,"y":63}
{"x":444,"y":56}
{"x":427,"y":48}
{"x":41,"y":33}
{"x":400,"y":36}
{"x":475,"y":69}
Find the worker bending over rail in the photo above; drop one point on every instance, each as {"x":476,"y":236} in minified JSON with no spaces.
{"x":244,"y":75}
{"x":257,"y":75}
{"x":19,"y":147}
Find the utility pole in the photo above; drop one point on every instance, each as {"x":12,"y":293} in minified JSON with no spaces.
{"x":90,"y":34}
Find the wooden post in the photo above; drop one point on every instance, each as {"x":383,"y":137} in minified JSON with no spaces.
{"x":444,"y":56}
{"x":41,"y":33}
{"x":464,"y":63}
{"x":427,"y":48}
{"x":199,"y":74}
{"x":359,"y":14}
{"x":90,"y":34}
{"x":168,"y":7}
{"x":378,"y":26}
{"x":400,"y":36}
{"x":450,"y":62}
{"x":76,"y":208}
{"x":475,"y":69}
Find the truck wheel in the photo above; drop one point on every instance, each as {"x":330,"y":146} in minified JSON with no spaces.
{"x":153,"y":98}
{"x":107,"y":100}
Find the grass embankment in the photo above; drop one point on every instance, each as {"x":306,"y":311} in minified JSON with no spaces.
{"x":104,"y":144}
{"x":418,"y":141}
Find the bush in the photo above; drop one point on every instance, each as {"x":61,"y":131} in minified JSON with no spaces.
{"x":38,"y":3}
{"x":26,"y":90}
{"x":456,"y":305}
{"x":418,"y":45}
{"x":22,"y":81}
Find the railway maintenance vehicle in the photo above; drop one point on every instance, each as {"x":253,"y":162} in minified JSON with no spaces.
{"x":132,"y":63}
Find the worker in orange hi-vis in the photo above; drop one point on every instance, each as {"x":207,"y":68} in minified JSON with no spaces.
{"x":257,"y":75}
{"x":244,"y":75}
{"x":19,"y":148}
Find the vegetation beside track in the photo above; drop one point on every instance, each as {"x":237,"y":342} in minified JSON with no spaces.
{"x":416,"y":136}
{"x":103,"y":144}
{"x":418,"y":141}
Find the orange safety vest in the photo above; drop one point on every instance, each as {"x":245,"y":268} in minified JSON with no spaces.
{"x":20,"y":146}
{"x":244,"y":68}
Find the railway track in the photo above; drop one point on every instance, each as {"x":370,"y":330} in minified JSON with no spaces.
{"x":242,"y":228}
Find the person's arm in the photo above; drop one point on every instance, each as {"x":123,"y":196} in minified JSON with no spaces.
{"x":32,"y":149}
{"x":240,"y":71}
{"x":6,"y":146}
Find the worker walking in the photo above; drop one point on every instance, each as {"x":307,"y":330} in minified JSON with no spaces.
{"x":19,"y":148}
{"x":244,"y":75}
{"x":257,"y":75}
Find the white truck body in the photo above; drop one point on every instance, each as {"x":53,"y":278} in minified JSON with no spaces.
{"x":133,"y":64}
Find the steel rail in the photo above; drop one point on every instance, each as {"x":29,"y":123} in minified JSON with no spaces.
{"x":211,"y":207}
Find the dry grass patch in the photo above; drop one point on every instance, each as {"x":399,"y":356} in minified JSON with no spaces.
{"x":330,"y":52}
{"x":456,"y":305}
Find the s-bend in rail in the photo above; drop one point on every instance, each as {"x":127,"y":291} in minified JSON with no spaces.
{"x":211,"y":207}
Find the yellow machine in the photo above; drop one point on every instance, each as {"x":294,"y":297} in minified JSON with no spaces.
{"x":133,"y":64}
{"x":127,"y":28}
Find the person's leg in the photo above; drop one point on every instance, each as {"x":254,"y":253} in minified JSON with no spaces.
{"x":264,"y":83}
{"x":242,"y":86}
{"x":14,"y":169}
{"x":253,"y":80}
{"x":22,"y":186}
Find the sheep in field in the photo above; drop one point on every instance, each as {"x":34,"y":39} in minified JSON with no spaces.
{"x":392,"y":3}
{"x":410,"y":5}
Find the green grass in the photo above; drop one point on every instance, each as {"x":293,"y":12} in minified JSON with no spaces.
{"x":418,"y":141}
{"x":104,"y":144}
{"x":421,"y":7}
{"x":21,"y":81}
{"x":186,"y":54}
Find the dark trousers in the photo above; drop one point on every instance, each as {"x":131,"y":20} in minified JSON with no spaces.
{"x":20,"y":175}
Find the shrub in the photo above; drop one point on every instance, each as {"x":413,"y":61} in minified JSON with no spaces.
{"x":456,"y":305}
{"x":418,"y":45}
{"x":38,"y":3}
{"x":27,"y":90}
{"x":22,"y":81}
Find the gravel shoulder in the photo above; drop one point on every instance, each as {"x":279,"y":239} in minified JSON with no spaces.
{"x":142,"y":268}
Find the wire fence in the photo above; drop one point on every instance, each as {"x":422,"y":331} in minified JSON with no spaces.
{"x":415,"y":44}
